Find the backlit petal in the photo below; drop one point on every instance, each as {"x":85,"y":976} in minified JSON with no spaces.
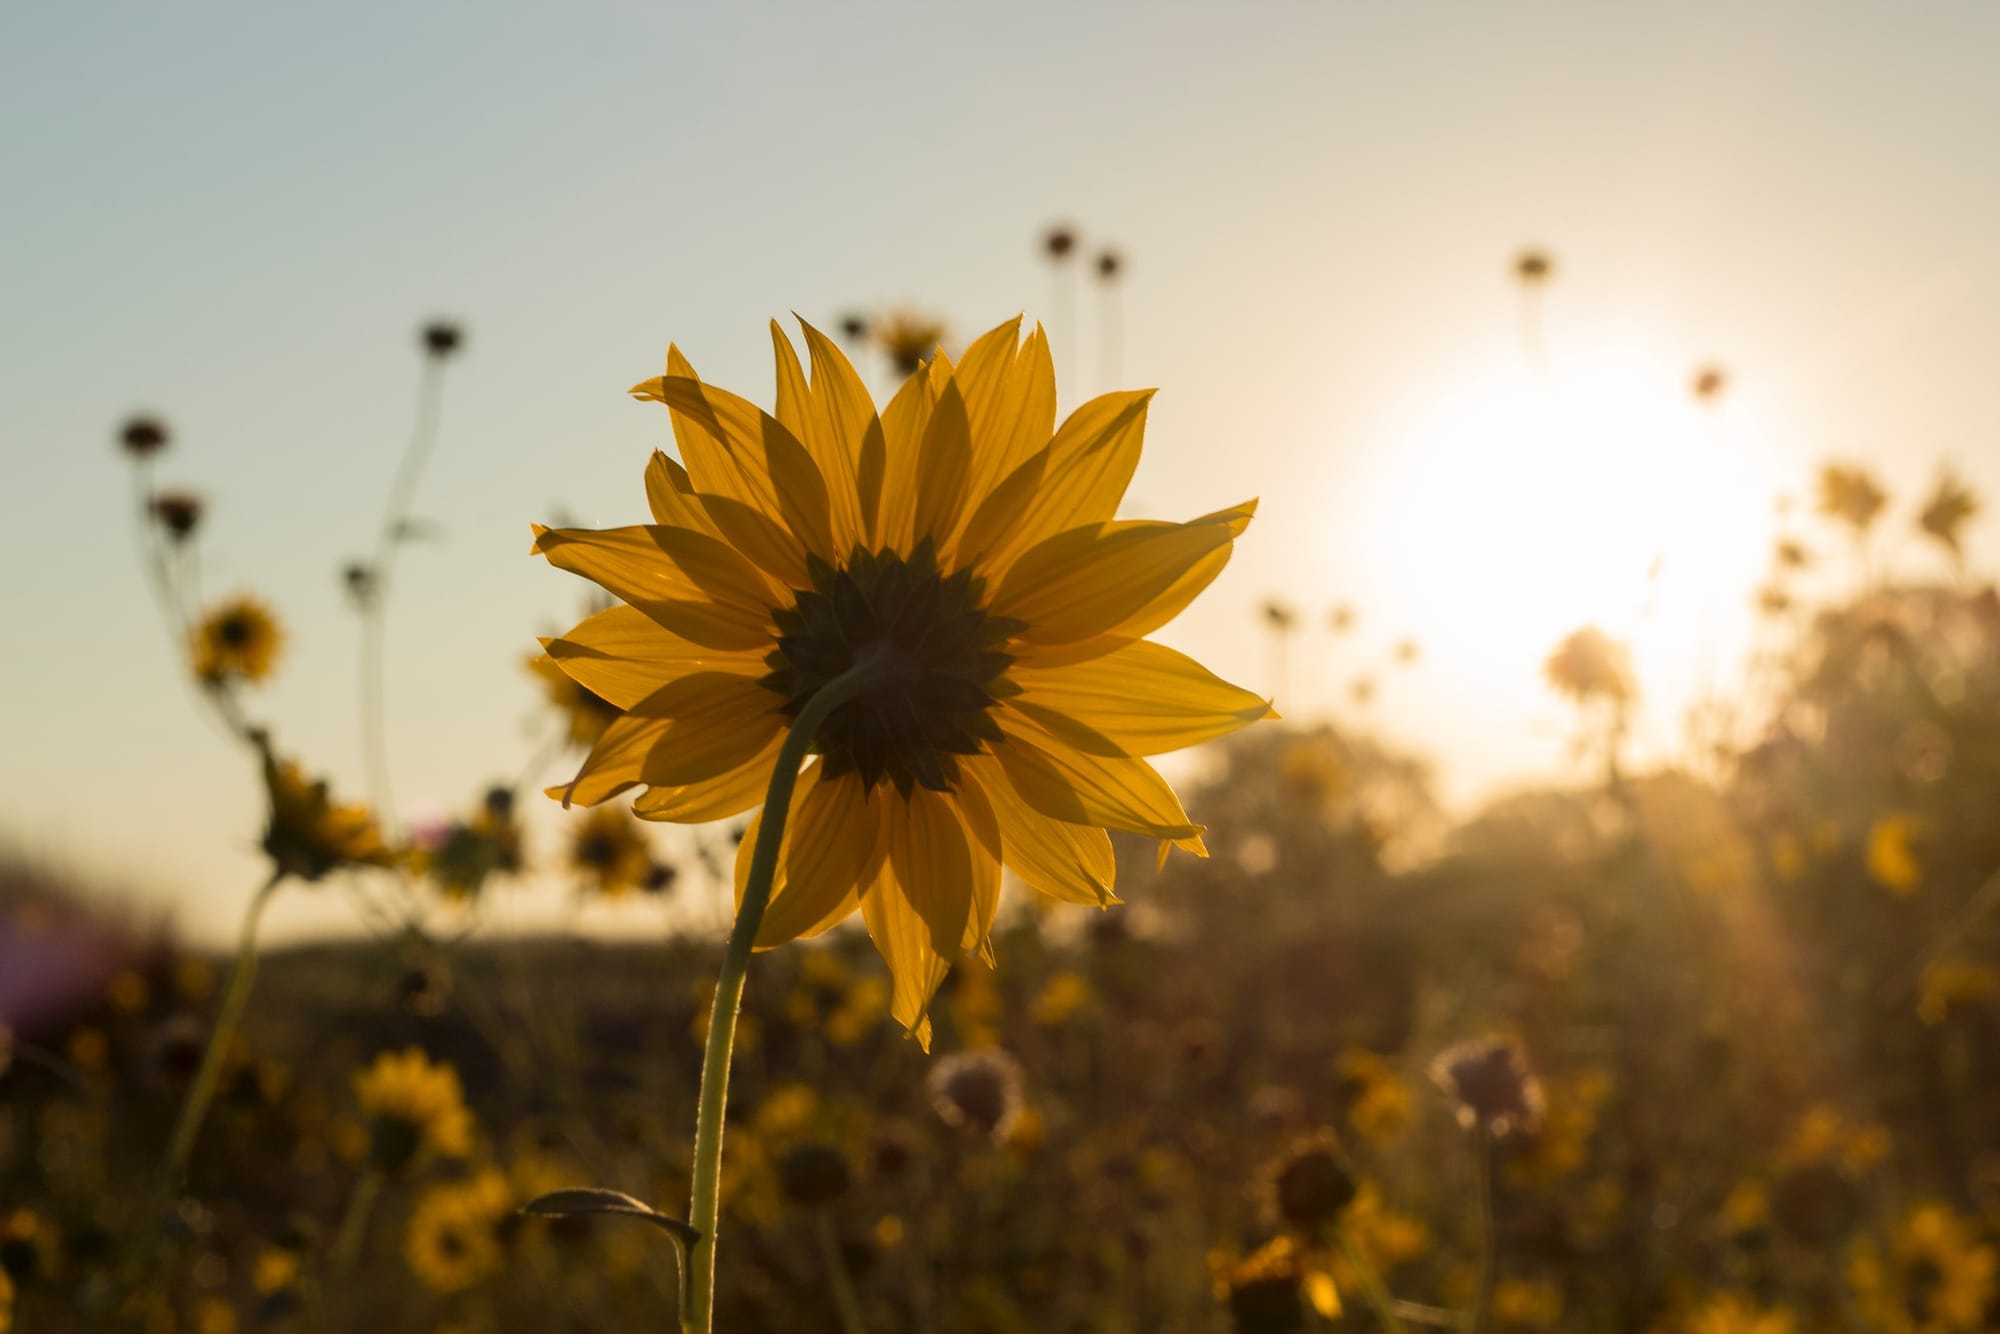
{"x":623,"y":655}
{"x":1092,"y":581}
{"x":1140,"y":699}
{"x":833,"y":846}
{"x":1110,"y":791}
{"x":691,"y":584}
{"x":716,"y":721}
{"x":904,"y":939}
{"x":1085,"y":472}
{"x":717,"y":798}
{"x":1071,"y":862}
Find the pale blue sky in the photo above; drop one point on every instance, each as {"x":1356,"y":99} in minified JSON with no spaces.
{"x":237,"y":214}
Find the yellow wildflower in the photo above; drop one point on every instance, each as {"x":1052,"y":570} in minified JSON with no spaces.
{"x":1590,"y":665}
{"x":1949,"y":508}
{"x":1934,"y":1278}
{"x":1730,"y":1314}
{"x":237,"y":641}
{"x":453,"y":1241}
{"x":1892,"y":862}
{"x":1523,"y":1304}
{"x":1063,"y":997}
{"x":956,"y":560}
{"x":609,"y":849}
{"x":412,"y":1107}
{"x":910,"y":339}
{"x":1851,"y":495}
{"x":585,"y":713}
{"x":308,"y":835}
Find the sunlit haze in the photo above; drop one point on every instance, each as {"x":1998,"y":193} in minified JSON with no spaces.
{"x":238,"y":215}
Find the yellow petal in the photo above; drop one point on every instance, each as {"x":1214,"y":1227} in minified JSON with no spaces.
{"x":623,"y":655}
{"x":615,"y":763}
{"x":670,"y":495}
{"x":985,"y":846}
{"x":1083,"y":475}
{"x":760,"y":537}
{"x":1012,"y":420}
{"x":1065,"y":861}
{"x":1140,"y":699}
{"x":717,"y":798}
{"x":903,"y":423}
{"x":1109,"y":791}
{"x":1092,"y":581}
{"x":837,"y":413}
{"x":716,"y":722}
{"x":903,"y":937}
{"x":933,"y":862}
{"x":691,"y":584}
{"x":735,"y":450}
{"x":833,"y":846}
{"x":942,"y":470}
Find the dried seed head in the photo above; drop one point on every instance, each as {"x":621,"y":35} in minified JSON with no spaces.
{"x":978,"y":1090}
{"x":1490,"y":1081}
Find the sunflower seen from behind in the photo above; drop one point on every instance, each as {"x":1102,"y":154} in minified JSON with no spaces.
{"x":961,"y":552}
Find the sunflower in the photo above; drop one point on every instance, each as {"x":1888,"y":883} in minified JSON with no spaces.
{"x":909,"y":338}
{"x":237,"y":641}
{"x":454,"y":1237}
{"x":610,"y":851}
{"x":412,"y":1107}
{"x":953,"y":563}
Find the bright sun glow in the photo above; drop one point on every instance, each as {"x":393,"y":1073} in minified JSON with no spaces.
{"x":1523,"y":505}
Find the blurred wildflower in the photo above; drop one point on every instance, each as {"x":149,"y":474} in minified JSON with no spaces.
{"x":413,"y":1107}
{"x":1520,"y":1303}
{"x":1279,"y":616}
{"x":1490,"y":1081}
{"x":1892,"y":860}
{"x":1341,"y":619}
{"x":1311,"y":1185}
{"x":442,"y":338}
{"x":469,"y":851}
{"x":1109,"y":264}
{"x":585,"y":713}
{"x":1731,"y":1314}
{"x":1792,"y":554}
{"x":934,"y":593}
{"x":1951,"y":505}
{"x":237,"y":641}
{"x":179,"y":512}
{"x":308,"y":835}
{"x":1936,"y":1277}
{"x":1709,"y":382}
{"x":608,"y":848}
{"x":911,"y":340}
{"x":1272,"y":1290}
{"x":1059,"y":242}
{"x":978,"y":1091}
{"x":1534,"y":267}
{"x":1950,"y":984}
{"x":814,"y":1173}
{"x":1590,"y":665}
{"x":454,"y":1236}
{"x":1851,"y":495}
{"x":853,"y":326}
{"x":1065,"y":995}
{"x":1407,"y":652}
{"x":142,"y":437}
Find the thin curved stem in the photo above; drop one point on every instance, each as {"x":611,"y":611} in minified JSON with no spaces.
{"x":845,"y":1305}
{"x":354,"y":1225}
{"x":201,"y":1094}
{"x":395,"y":522}
{"x":698,"y":1310}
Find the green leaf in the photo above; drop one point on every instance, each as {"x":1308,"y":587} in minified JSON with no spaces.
{"x":595,"y":1200}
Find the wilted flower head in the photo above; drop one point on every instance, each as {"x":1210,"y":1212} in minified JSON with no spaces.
{"x":1952,"y":503}
{"x":1851,"y":495}
{"x":412,"y":1107}
{"x":179,"y":512}
{"x":910,"y":339}
{"x":1534,"y":267}
{"x":308,"y":834}
{"x":1490,"y":1081}
{"x":1709,"y":382}
{"x":1589,"y":665}
{"x":1272,"y":1290}
{"x":978,"y":1091}
{"x":442,"y":338}
{"x":143,"y":436}
{"x":238,"y":640}
{"x":814,"y":1173}
{"x":1311,"y":1185}
{"x":1059,"y":241}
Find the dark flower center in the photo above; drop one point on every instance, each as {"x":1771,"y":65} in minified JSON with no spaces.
{"x":234,"y":631}
{"x":942,"y":654}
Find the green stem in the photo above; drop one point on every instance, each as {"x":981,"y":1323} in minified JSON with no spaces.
{"x":1378,"y":1296}
{"x":354,"y":1225}
{"x":698,"y":1310}
{"x":1489,"y":1269}
{"x":845,"y":1304}
{"x":201,"y":1094}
